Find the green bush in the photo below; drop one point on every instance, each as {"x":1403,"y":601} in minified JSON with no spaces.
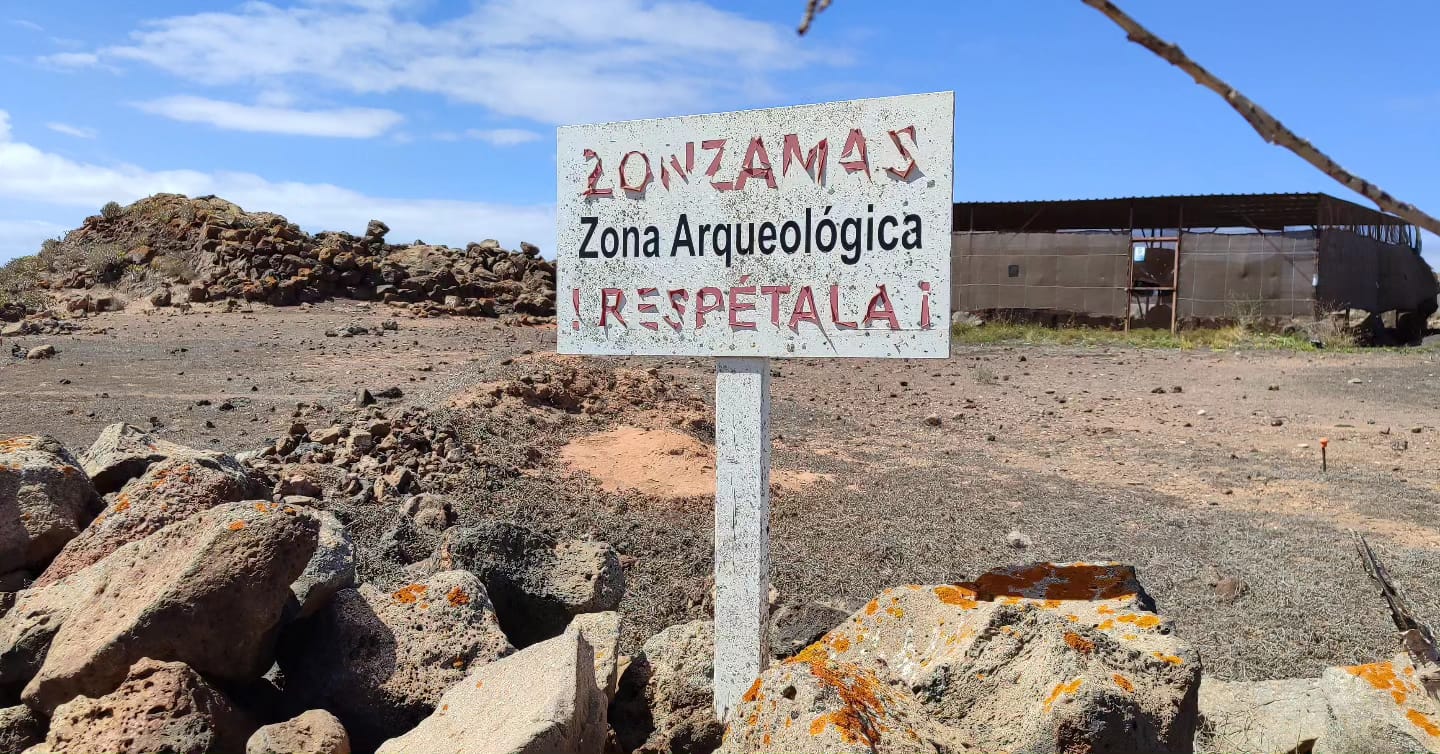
{"x":111,"y":210}
{"x":18,"y":279}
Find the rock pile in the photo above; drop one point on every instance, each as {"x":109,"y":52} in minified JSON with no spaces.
{"x":208,"y":249}
{"x":156,"y":600}
{"x":156,"y":597}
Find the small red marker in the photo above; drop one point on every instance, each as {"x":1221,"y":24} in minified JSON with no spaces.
{"x":1324,"y":442}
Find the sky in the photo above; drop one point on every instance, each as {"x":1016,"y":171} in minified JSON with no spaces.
{"x":439,"y":117}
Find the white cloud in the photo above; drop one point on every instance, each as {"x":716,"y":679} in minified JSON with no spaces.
{"x":500,"y":137}
{"x":31,"y":175}
{"x":348,"y":123}
{"x":556,"y":61}
{"x":78,"y":132}
{"x":71,"y":59}
{"x":22,"y":23}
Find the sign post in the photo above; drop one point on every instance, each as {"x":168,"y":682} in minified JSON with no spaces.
{"x":810,"y":231}
{"x":742,"y":525}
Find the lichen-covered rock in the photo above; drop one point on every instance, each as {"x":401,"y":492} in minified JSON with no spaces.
{"x":380,"y":660}
{"x":541,"y":700}
{"x":1267,"y":717}
{"x":170,"y":490}
{"x":330,"y":569}
{"x":160,"y":707}
{"x":1379,"y":708}
{"x":45,"y":500}
{"x":207,"y":591}
{"x":536,"y":582}
{"x":666,"y":699}
{"x":813,"y":704}
{"x":1052,"y":657}
{"x":19,"y":729}
{"x":312,"y":732}
{"x":123,"y":452}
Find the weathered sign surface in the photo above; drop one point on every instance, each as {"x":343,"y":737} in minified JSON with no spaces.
{"x":818,"y":230}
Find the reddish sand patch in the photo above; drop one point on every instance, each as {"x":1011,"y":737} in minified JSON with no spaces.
{"x":661,"y":463}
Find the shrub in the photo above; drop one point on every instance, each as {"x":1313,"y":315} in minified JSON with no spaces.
{"x":106,"y":261}
{"x":172,"y":267}
{"x":111,"y":210}
{"x":18,"y":279}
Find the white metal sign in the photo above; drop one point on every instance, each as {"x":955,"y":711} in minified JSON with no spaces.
{"x":818,"y":230}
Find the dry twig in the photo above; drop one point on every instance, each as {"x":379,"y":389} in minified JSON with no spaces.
{"x":1415,"y":636}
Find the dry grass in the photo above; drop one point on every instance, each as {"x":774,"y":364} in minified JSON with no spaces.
{"x":1231,"y":337}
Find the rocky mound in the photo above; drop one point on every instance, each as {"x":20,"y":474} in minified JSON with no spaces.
{"x":173,"y":249}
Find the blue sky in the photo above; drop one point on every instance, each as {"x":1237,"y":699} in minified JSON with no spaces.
{"x":438,"y":117}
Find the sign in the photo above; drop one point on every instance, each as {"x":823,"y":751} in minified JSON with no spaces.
{"x":818,"y":230}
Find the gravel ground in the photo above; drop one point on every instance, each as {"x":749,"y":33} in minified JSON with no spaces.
{"x":1071,"y":446}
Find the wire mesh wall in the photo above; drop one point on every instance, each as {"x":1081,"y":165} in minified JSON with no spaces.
{"x":1079,"y":273}
{"x":1239,"y":275}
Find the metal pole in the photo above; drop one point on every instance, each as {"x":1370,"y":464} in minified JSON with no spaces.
{"x":742,"y":526}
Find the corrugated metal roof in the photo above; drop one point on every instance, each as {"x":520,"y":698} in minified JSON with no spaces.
{"x":1262,"y":211}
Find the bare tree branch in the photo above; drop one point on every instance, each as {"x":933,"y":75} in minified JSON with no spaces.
{"x":813,"y":8}
{"x":1265,"y":124}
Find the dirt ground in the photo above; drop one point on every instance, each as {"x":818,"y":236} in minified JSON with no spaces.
{"x":1191,"y":465}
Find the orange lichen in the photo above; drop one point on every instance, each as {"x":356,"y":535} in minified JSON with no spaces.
{"x":765,"y":740}
{"x":1140,"y":621}
{"x":460,"y":663}
{"x":1123,"y":682}
{"x":840,"y":642}
{"x":871,"y":607}
{"x":895,"y":612}
{"x":862,"y":697}
{"x":1079,"y":643}
{"x":959,"y":596}
{"x":1423,"y":722}
{"x":1105,"y":610}
{"x":753,"y":693}
{"x":122,"y":503}
{"x":1382,"y":676}
{"x":457,"y":597}
{"x":24,"y":442}
{"x":409,"y":594}
{"x":1172,"y":659}
{"x":1106,"y":625}
{"x":1068,"y":687}
{"x":236,"y":525}
{"x":1129,"y":637}
{"x":1050,"y":604}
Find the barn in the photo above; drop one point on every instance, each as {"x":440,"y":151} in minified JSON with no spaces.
{"x":1172,"y":261}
